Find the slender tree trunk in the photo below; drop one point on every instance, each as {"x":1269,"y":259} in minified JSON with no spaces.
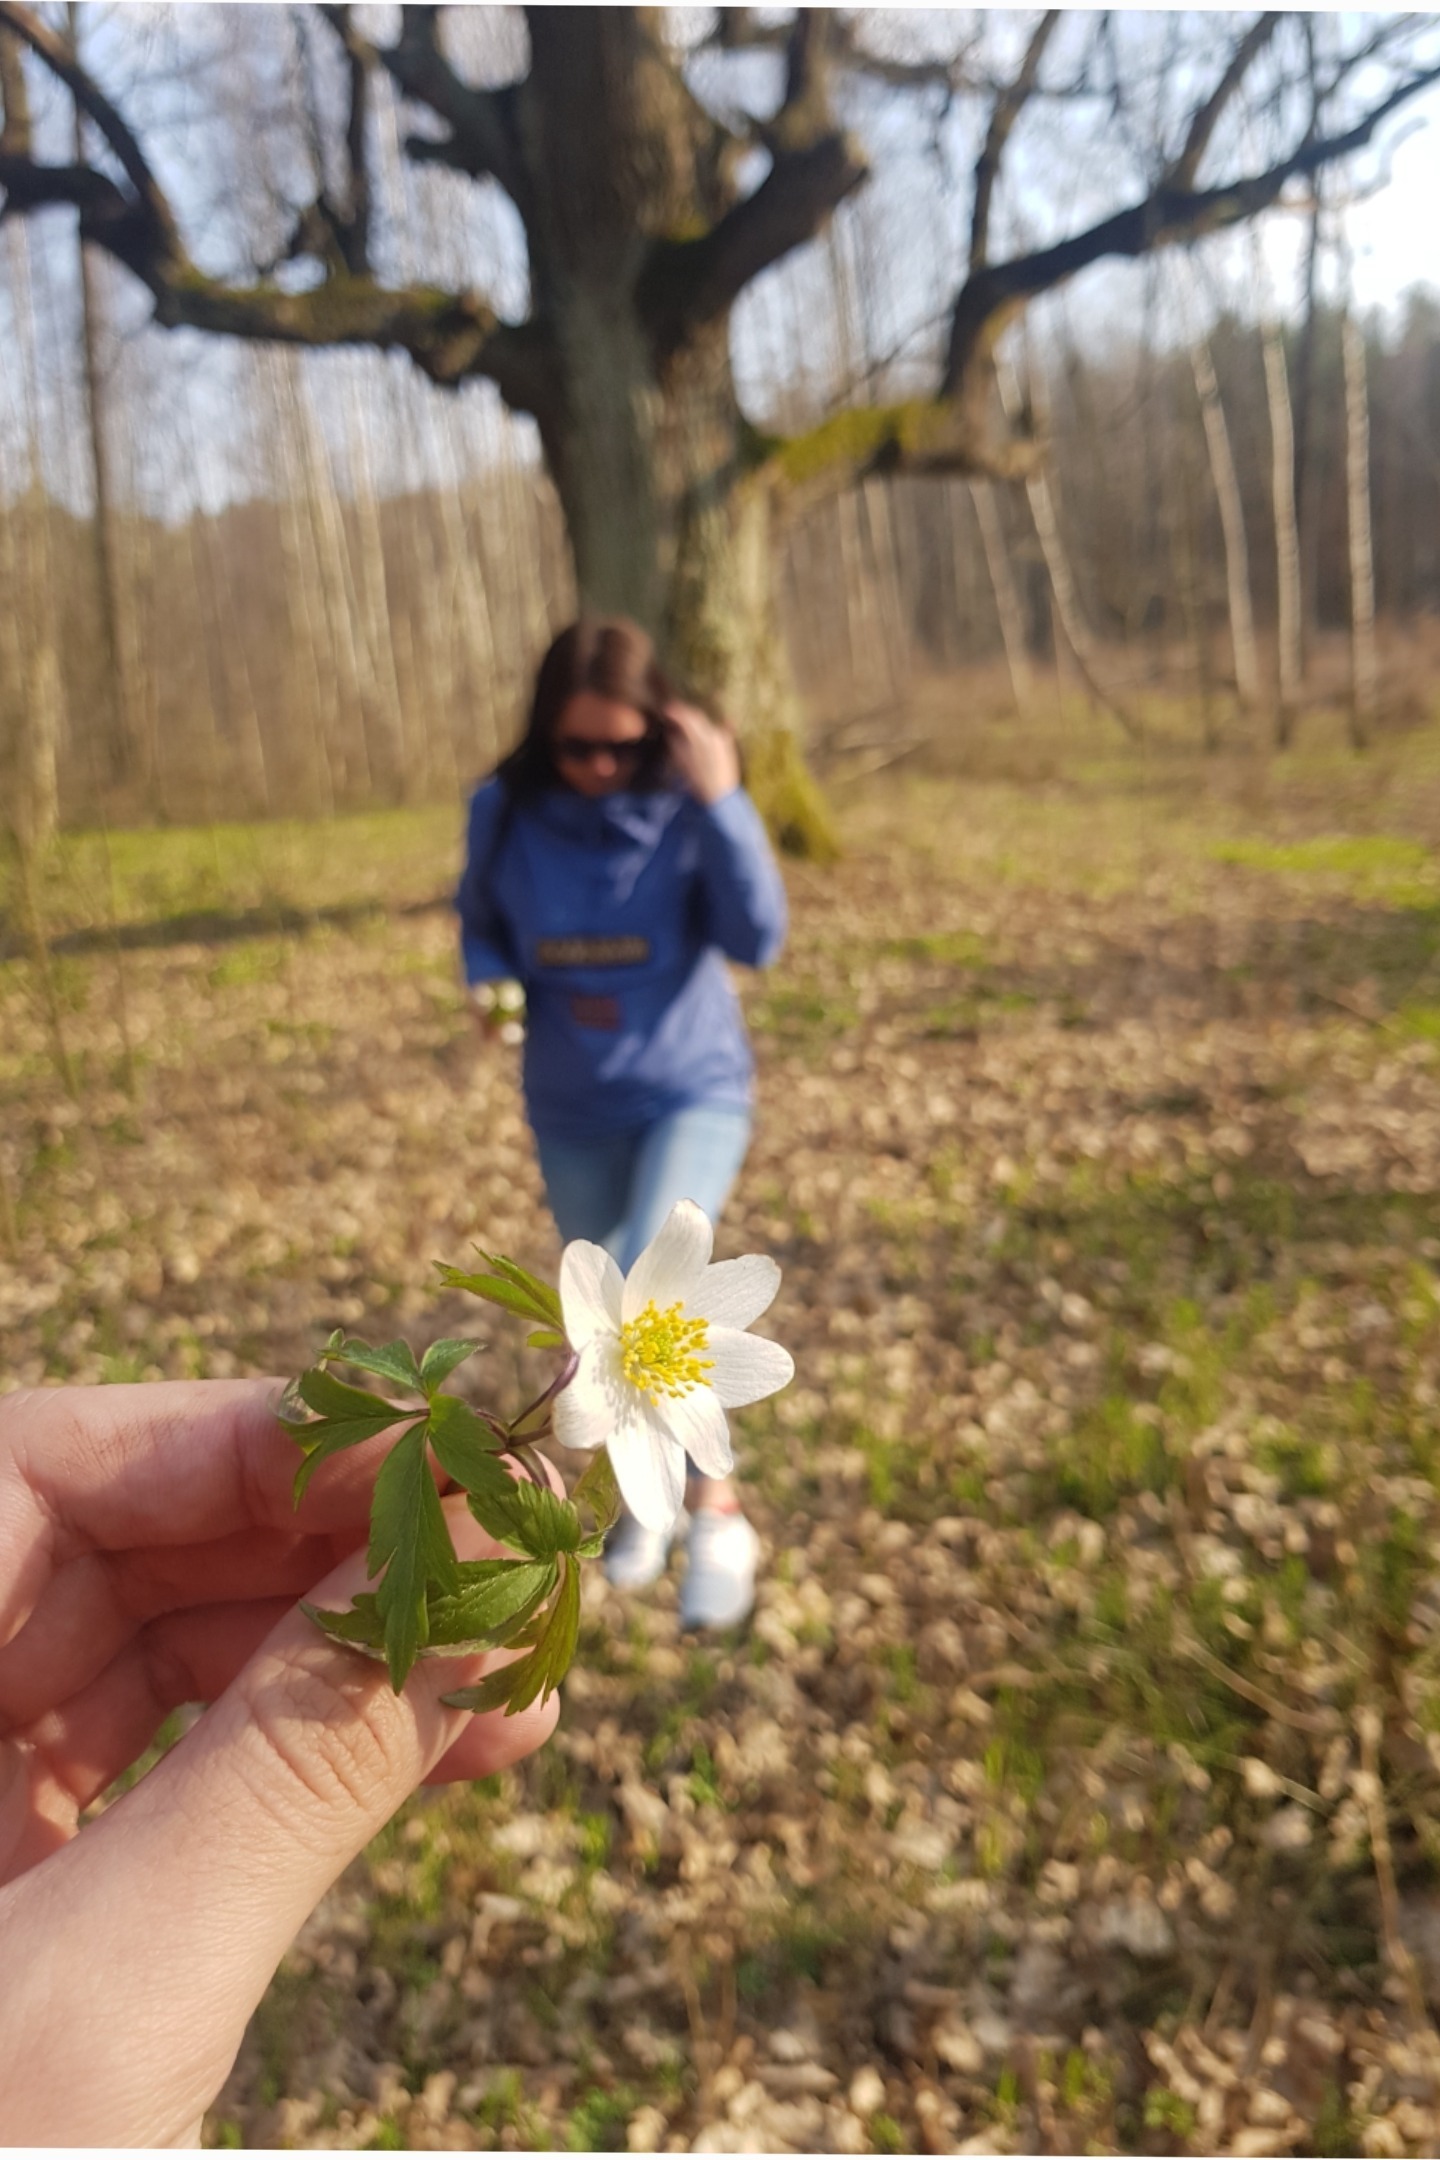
{"x":31,"y":686}
{"x":388,"y":704}
{"x":1288,"y":645}
{"x":1232,"y":523}
{"x":329,"y":553}
{"x":1057,"y":563}
{"x":1306,"y":522}
{"x":121,"y":752}
{"x":1364,"y":671}
{"x":310,"y":681}
{"x":1007,"y":599}
{"x":1288,"y":617}
{"x":1192,"y":600}
{"x":875,"y":509}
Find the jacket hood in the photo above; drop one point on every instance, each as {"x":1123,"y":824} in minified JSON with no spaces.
{"x":607,"y":821}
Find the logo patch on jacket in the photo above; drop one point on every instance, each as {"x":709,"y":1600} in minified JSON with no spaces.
{"x":596,"y":1012}
{"x":576,"y":952}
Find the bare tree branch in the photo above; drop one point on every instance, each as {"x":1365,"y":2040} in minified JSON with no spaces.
{"x":484,"y":135}
{"x":738,"y":29}
{"x":449,"y":335}
{"x":352,"y":223}
{"x":1008,"y":107}
{"x":815,"y":165}
{"x":15,"y":98}
{"x":1186,"y":169}
{"x":687,"y":284}
{"x":87,"y":94}
{"x":993,"y":295}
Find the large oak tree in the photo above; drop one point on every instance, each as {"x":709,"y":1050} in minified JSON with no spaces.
{"x":646,"y":212}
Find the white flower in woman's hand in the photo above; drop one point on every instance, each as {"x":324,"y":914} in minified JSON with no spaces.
{"x":663,"y":1354}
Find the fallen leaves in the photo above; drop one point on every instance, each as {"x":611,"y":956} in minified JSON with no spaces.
{"x":1033,"y":1812}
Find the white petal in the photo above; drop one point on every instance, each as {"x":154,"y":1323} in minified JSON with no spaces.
{"x":672,"y":1263}
{"x":649,"y":1466}
{"x":589,"y":1406}
{"x":698,"y":1423}
{"x":735,"y":1292}
{"x":746,"y":1366}
{"x":590,"y":1290}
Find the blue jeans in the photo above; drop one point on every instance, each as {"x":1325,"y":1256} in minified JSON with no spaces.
{"x":618,"y":1188}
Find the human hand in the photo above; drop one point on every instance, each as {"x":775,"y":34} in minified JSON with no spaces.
{"x":703,"y":755}
{"x":150,"y":1556}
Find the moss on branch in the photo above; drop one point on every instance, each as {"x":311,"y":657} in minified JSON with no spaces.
{"x":916,"y":435}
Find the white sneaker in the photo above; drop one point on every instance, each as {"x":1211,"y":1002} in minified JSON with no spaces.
{"x":634,"y":1556}
{"x":719,"y":1586}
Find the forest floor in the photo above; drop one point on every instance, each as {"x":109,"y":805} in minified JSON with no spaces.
{"x":1077,"y":1784}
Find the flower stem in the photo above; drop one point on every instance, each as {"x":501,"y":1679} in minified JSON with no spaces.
{"x":563,"y":1377}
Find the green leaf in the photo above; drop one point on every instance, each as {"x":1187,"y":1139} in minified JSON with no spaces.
{"x":392,"y":1361}
{"x":590,"y":1548}
{"x":495,"y":1600}
{"x":464,"y":1444}
{"x":347,"y":1415}
{"x":500,"y":1291}
{"x":441,"y":1359}
{"x":491,"y":1693}
{"x":361,"y":1627}
{"x":545,"y":1297}
{"x":597,"y":1490}
{"x":516,"y":1686}
{"x":546,"y":1338}
{"x":525,"y":1516}
{"x":410,"y":1539}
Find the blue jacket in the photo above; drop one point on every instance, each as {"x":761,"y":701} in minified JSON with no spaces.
{"x":615,"y":913}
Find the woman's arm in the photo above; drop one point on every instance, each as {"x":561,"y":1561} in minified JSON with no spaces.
{"x":485,"y":940}
{"x":743,"y":896}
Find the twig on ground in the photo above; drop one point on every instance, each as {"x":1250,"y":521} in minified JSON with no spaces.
{"x":1370,"y":1791}
{"x":1311,"y":1721}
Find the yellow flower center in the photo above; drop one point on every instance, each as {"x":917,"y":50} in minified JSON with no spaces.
{"x":659,"y":1351}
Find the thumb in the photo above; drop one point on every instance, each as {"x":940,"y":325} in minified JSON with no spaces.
{"x":169,"y":1915}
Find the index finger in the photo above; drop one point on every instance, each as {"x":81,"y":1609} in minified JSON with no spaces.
{"x":165,"y":1463}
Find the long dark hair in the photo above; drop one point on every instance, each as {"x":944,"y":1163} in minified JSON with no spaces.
{"x":608,"y":654}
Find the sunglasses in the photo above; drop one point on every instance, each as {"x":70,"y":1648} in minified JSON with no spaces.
{"x":580,"y":750}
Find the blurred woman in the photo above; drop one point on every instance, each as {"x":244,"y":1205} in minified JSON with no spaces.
{"x":615,"y":863}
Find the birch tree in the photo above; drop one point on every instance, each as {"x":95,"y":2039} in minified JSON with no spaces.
{"x":1364,"y":664}
{"x":1232,"y":522}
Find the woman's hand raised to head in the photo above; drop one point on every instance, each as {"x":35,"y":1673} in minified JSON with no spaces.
{"x":703,"y":755}
{"x":150,"y":1556}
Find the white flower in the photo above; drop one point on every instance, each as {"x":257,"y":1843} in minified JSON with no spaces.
{"x":663,"y":1354}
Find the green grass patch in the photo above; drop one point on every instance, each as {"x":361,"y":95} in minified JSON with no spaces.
{"x":160,"y":873}
{"x":1376,"y":866}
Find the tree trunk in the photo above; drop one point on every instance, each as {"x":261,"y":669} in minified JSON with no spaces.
{"x":1232,"y":524}
{"x":1364,"y":672}
{"x":1283,"y":466}
{"x":120,"y":752}
{"x":1305,"y":431}
{"x":31,"y":689}
{"x":1287,"y":533}
{"x":643,"y":441}
{"x":1007,"y":599}
{"x":1057,"y":563}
